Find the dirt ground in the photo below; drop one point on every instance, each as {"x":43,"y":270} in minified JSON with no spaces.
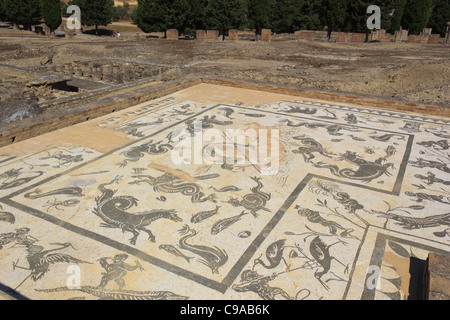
{"x":412,"y":72}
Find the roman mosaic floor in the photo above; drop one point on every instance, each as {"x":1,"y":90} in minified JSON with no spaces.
{"x":100,"y":210}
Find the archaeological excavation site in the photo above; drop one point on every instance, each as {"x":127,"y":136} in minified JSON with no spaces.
{"x":235,"y":161}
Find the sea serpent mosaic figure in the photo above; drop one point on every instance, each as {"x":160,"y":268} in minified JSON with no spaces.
{"x":168,"y":183}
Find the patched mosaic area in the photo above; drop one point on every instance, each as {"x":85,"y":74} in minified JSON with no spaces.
{"x":358,"y":194}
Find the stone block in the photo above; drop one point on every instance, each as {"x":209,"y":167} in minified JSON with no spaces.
{"x":427,"y":31}
{"x":233,"y":35}
{"x":437,"y":277}
{"x":386,"y":37}
{"x":358,"y":37}
{"x":48,"y":32}
{"x":418,"y":38}
{"x":203,"y":35}
{"x":375,"y":35}
{"x":401,"y":35}
{"x":212,"y":34}
{"x":200,"y":35}
{"x":69,"y":33}
{"x":266,"y":35}
{"x":172,"y":34}
{"x":342,"y":37}
{"x":434,"y":39}
{"x":306,"y":35}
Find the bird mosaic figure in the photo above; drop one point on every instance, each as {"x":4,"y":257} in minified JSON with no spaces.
{"x":274,"y":256}
{"x":40,"y":260}
{"x":321,"y":253}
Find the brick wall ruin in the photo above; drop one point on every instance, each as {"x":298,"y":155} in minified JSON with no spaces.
{"x":309,"y":35}
{"x":172,"y":34}
{"x":203,"y":35}
{"x":426,"y":37}
{"x":107,"y":70}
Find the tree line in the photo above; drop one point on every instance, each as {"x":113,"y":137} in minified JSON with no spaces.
{"x":282,"y":16}
{"x":28,"y":12}
{"x":288,"y":16}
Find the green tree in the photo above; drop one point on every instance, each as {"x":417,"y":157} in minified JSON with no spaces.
{"x":333,"y":15}
{"x":159,"y":15}
{"x":24,"y":12}
{"x":292,"y":15}
{"x":2,"y":11}
{"x":177,"y":15}
{"x":126,"y":8}
{"x":309,"y":17}
{"x":224,"y":15}
{"x":397,"y":15}
{"x":356,"y":16}
{"x":440,"y":17}
{"x":198,"y":15}
{"x":259,"y":13}
{"x":283,"y":15}
{"x":51,"y":12}
{"x":417,"y":15}
{"x":151,"y":15}
{"x":120,"y":13}
{"x":95,"y":12}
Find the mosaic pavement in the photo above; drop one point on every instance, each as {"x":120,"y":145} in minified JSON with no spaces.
{"x":359,"y":193}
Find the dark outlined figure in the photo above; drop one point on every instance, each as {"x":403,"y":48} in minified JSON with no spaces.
{"x":113,"y":210}
{"x":332,"y":129}
{"x":168,"y":183}
{"x":274,"y":256}
{"x":420,"y":197}
{"x":7,"y":217}
{"x":57,"y":204}
{"x":111,"y":294}
{"x":311,"y":147}
{"x":68,"y":191}
{"x":366,"y":171}
{"x":255,"y":201}
{"x":223,"y":224}
{"x":40,"y":260}
{"x":212,"y":257}
{"x":64,"y":159}
{"x":174,"y":251}
{"x":207,"y":122}
{"x":431,"y":179}
{"x":316,"y":217}
{"x":116,"y":270}
{"x":20,"y":238}
{"x":321,"y":253}
{"x":152,"y":148}
{"x":251,"y":281}
{"x":203,"y":215}
{"x":440,"y":145}
{"x":422,"y":163}
{"x":132,"y":128}
{"x":412,"y":223}
{"x":12,"y":179}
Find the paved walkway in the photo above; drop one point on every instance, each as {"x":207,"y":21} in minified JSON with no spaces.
{"x":103,"y":210}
